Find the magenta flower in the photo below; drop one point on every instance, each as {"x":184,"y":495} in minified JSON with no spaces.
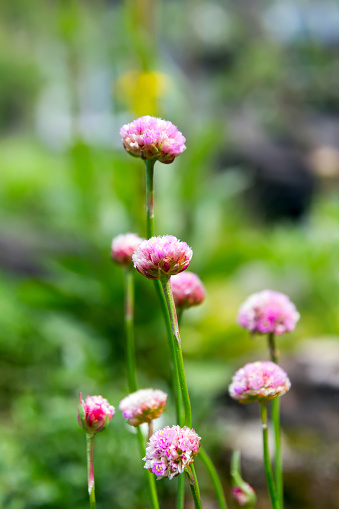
{"x":162,"y":256}
{"x":259,"y":381}
{"x":153,"y":138}
{"x":241,"y":499}
{"x":268,"y":312}
{"x":187,"y":289}
{"x":170,"y":450}
{"x":94,"y":414}
{"x":143,"y":406}
{"x":123,"y":246}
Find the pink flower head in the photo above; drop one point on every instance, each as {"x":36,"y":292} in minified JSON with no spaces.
{"x":243,"y":499}
{"x":268,"y":312}
{"x":162,"y":256}
{"x":170,"y":450}
{"x":94,"y":414}
{"x":187,"y":289}
{"x":153,"y":138}
{"x":123,"y":246}
{"x":143,"y":406}
{"x":259,"y":381}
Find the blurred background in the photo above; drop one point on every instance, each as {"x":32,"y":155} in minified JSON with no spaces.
{"x":253,"y":86}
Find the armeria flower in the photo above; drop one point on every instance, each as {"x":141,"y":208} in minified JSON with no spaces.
{"x":243,"y":499}
{"x":153,"y":138}
{"x":187,"y":289}
{"x":162,"y":256}
{"x":170,"y":450}
{"x":143,"y":406}
{"x":259,"y":381}
{"x":268,"y":312}
{"x":94,"y":414}
{"x":123,"y":246}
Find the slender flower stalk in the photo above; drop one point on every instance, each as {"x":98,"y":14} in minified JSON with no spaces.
{"x":129,"y":328}
{"x":90,"y":469}
{"x":214,"y":478}
{"x":243,"y":494}
{"x":194,"y":488}
{"x":267,"y":462}
{"x":278,"y":470}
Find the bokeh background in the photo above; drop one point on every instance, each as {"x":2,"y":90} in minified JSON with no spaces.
{"x":253,"y":85}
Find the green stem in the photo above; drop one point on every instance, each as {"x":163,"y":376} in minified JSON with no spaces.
{"x":129,"y":327}
{"x":267,"y":462}
{"x":166,"y":285}
{"x":194,"y":487}
{"x":237,"y":480}
{"x":149,"y":165}
{"x":214,"y":477}
{"x":181,"y":492}
{"x":274,"y":354}
{"x":90,"y":470}
{"x":149,"y":476}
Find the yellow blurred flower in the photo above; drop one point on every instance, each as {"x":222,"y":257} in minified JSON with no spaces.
{"x":141,"y":91}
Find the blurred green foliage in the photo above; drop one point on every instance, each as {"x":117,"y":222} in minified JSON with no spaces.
{"x":61,"y":298}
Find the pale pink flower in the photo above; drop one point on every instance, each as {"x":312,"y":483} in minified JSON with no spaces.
{"x":95,"y":413}
{"x":143,"y":406}
{"x":170,"y":450}
{"x":187,"y":289}
{"x":162,"y":256}
{"x":153,"y":138}
{"x":242,"y":499}
{"x":123,"y":246}
{"x":268,"y":312}
{"x":259,"y":381}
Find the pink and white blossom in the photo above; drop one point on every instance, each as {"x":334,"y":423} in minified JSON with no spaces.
{"x":95,"y":413}
{"x":170,"y":450}
{"x":259,"y":381}
{"x":268,"y":312}
{"x":187,"y":289}
{"x":153,"y":138}
{"x":123,"y":246}
{"x":143,"y":406}
{"x":162,"y":256}
{"x":243,"y":499}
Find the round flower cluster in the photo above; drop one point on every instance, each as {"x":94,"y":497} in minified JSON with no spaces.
{"x":153,"y":138}
{"x":187,"y":290}
{"x":123,"y":246}
{"x":95,"y":413}
{"x":143,"y":406}
{"x":259,"y":381}
{"x":162,"y":256}
{"x":268,"y":312}
{"x":170,"y":450}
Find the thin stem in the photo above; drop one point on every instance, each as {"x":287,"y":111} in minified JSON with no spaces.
{"x":149,"y":476}
{"x":166,"y":285}
{"x":237,"y":480}
{"x":214,"y":477}
{"x":267,"y":462}
{"x":149,"y":165}
{"x":278,"y":470}
{"x":150,"y":429}
{"x":194,"y":488}
{"x":90,"y":469}
{"x":129,"y":327}
{"x":181,"y":492}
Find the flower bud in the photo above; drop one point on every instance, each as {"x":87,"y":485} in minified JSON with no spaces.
{"x":162,"y":256}
{"x":259,"y":381}
{"x":268,"y":312}
{"x":187,"y":290}
{"x":243,"y":499}
{"x":143,"y":406}
{"x":123,"y":246}
{"x":153,"y":138}
{"x":94,"y":414}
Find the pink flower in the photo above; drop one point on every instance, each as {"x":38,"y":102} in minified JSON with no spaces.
{"x":123,"y":246}
{"x":268,"y":312}
{"x":259,"y":381}
{"x":153,"y":138}
{"x":187,"y":289}
{"x":143,"y":406}
{"x":170,"y":450}
{"x":243,"y":499}
{"x":162,"y":256}
{"x":94,"y":414}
